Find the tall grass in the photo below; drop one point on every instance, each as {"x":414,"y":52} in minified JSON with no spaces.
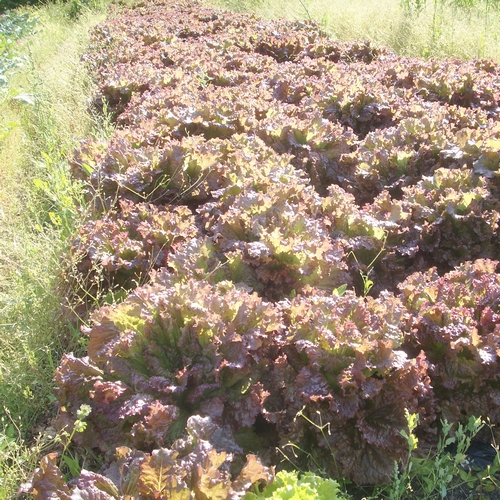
{"x":43,"y":111}
{"x":465,"y":29}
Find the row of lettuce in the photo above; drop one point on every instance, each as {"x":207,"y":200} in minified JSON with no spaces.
{"x":304,"y":239}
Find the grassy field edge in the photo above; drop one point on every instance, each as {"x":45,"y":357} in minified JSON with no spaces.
{"x":44,"y":111}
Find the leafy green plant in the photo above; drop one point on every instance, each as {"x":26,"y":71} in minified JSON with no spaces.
{"x":291,"y":486}
{"x":12,"y":27}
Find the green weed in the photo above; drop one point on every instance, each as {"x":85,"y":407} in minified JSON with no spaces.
{"x":444,"y":471}
{"x":365,"y":270}
{"x":67,"y":458}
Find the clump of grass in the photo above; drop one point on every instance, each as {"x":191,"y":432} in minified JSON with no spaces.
{"x":43,"y":112}
{"x":464,"y":29}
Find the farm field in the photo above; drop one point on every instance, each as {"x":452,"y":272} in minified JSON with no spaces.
{"x":288,"y":261}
